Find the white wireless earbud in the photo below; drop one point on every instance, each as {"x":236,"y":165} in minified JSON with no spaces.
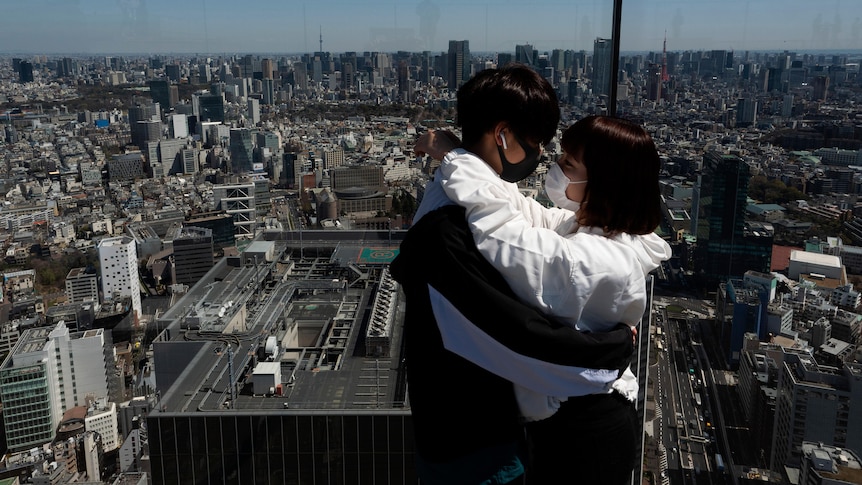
{"x":503,"y":139}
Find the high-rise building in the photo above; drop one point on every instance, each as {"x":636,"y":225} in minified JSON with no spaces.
{"x":727,"y":246}
{"x":241,"y":150}
{"x":193,"y":254}
{"x":459,"y":69}
{"x":525,"y":54}
{"x":221,"y":225}
{"x":821,"y":87}
{"x":267,"y":67}
{"x":169,"y":154}
{"x":602,"y":64}
{"x":25,"y":72}
{"x":164,"y":93}
{"x":268,"y":90}
{"x":210,"y":107}
{"x":82,"y":285}
{"x":746,"y":112}
{"x":179,"y":125}
{"x":67,"y":67}
{"x":172,"y":72}
{"x":405,"y":87}
{"x":654,"y":82}
{"x":148,"y":131}
{"x":139,"y":114}
{"x":814,"y":403}
{"x":787,"y":106}
{"x":254,"y":110}
{"x":773,"y":79}
{"x":49,"y":370}
{"x":743,"y":308}
{"x":189,"y":157}
{"x":119,"y":266}
{"x":204,"y":74}
{"x":300,"y":76}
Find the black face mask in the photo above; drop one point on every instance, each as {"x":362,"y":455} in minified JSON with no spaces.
{"x":515,"y":172}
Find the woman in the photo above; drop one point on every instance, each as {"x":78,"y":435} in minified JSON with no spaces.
{"x":590,"y":275}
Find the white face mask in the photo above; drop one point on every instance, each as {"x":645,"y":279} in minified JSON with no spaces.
{"x":556,"y":183}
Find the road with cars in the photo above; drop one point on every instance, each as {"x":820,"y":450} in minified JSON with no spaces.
{"x":702,"y":430}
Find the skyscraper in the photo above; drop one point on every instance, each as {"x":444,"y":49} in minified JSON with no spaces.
{"x":241,"y":150}
{"x":525,"y":54}
{"x":164,"y":93}
{"x":210,"y":107}
{"x":254,"y":110}
{"x":727,"y":246}
{"x":602,"y":54}
{"x":25,"y":72}
{"x":139,"y":114}
{"x":300,"y":76}
{"x":267,"y":68}
{"x":268,"y":90}
{"x":458,"y":63}
{"x":654,"y":82}
{"x":405,"y":89}
{"x":821,"y":87}
{"x":746,"y":112}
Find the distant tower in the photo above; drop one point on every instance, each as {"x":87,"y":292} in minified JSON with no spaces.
{"x":602,"y":54}
{"x":321,"y":39}
{"x":664,"y":75}
{"x":459,"y":68}
{"x":654,"y":82}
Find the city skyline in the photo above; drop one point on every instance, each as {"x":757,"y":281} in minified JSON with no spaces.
{"x":216,"y":26}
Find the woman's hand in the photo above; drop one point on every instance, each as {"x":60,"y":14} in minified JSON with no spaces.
{"x":436,"y":143}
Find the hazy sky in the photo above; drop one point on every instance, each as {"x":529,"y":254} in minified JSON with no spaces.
{"x":236,"y":26}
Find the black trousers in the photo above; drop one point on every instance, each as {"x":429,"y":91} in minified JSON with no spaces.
{"x":590,"y":440}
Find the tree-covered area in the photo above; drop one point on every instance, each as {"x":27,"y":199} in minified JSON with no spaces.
{"x":773,"y":191}
{"x":51,"y":272}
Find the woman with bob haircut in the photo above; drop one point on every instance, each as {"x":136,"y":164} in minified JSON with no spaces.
{"x":589,"y":273}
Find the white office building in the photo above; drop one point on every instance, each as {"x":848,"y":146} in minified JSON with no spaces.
{"x":119,"y":265}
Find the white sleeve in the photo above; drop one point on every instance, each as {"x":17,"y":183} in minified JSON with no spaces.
{"x":471,"y":169}
{"x":559,"y":276}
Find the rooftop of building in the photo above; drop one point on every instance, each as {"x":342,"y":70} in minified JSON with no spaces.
{"x":314,"y":308}
{"x":815,"y":258}
{"x":838,"y":464}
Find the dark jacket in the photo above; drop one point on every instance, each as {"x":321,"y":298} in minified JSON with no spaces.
{"x":458,"y":407}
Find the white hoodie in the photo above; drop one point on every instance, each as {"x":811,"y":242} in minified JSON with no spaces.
{"x":583,"y":278}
